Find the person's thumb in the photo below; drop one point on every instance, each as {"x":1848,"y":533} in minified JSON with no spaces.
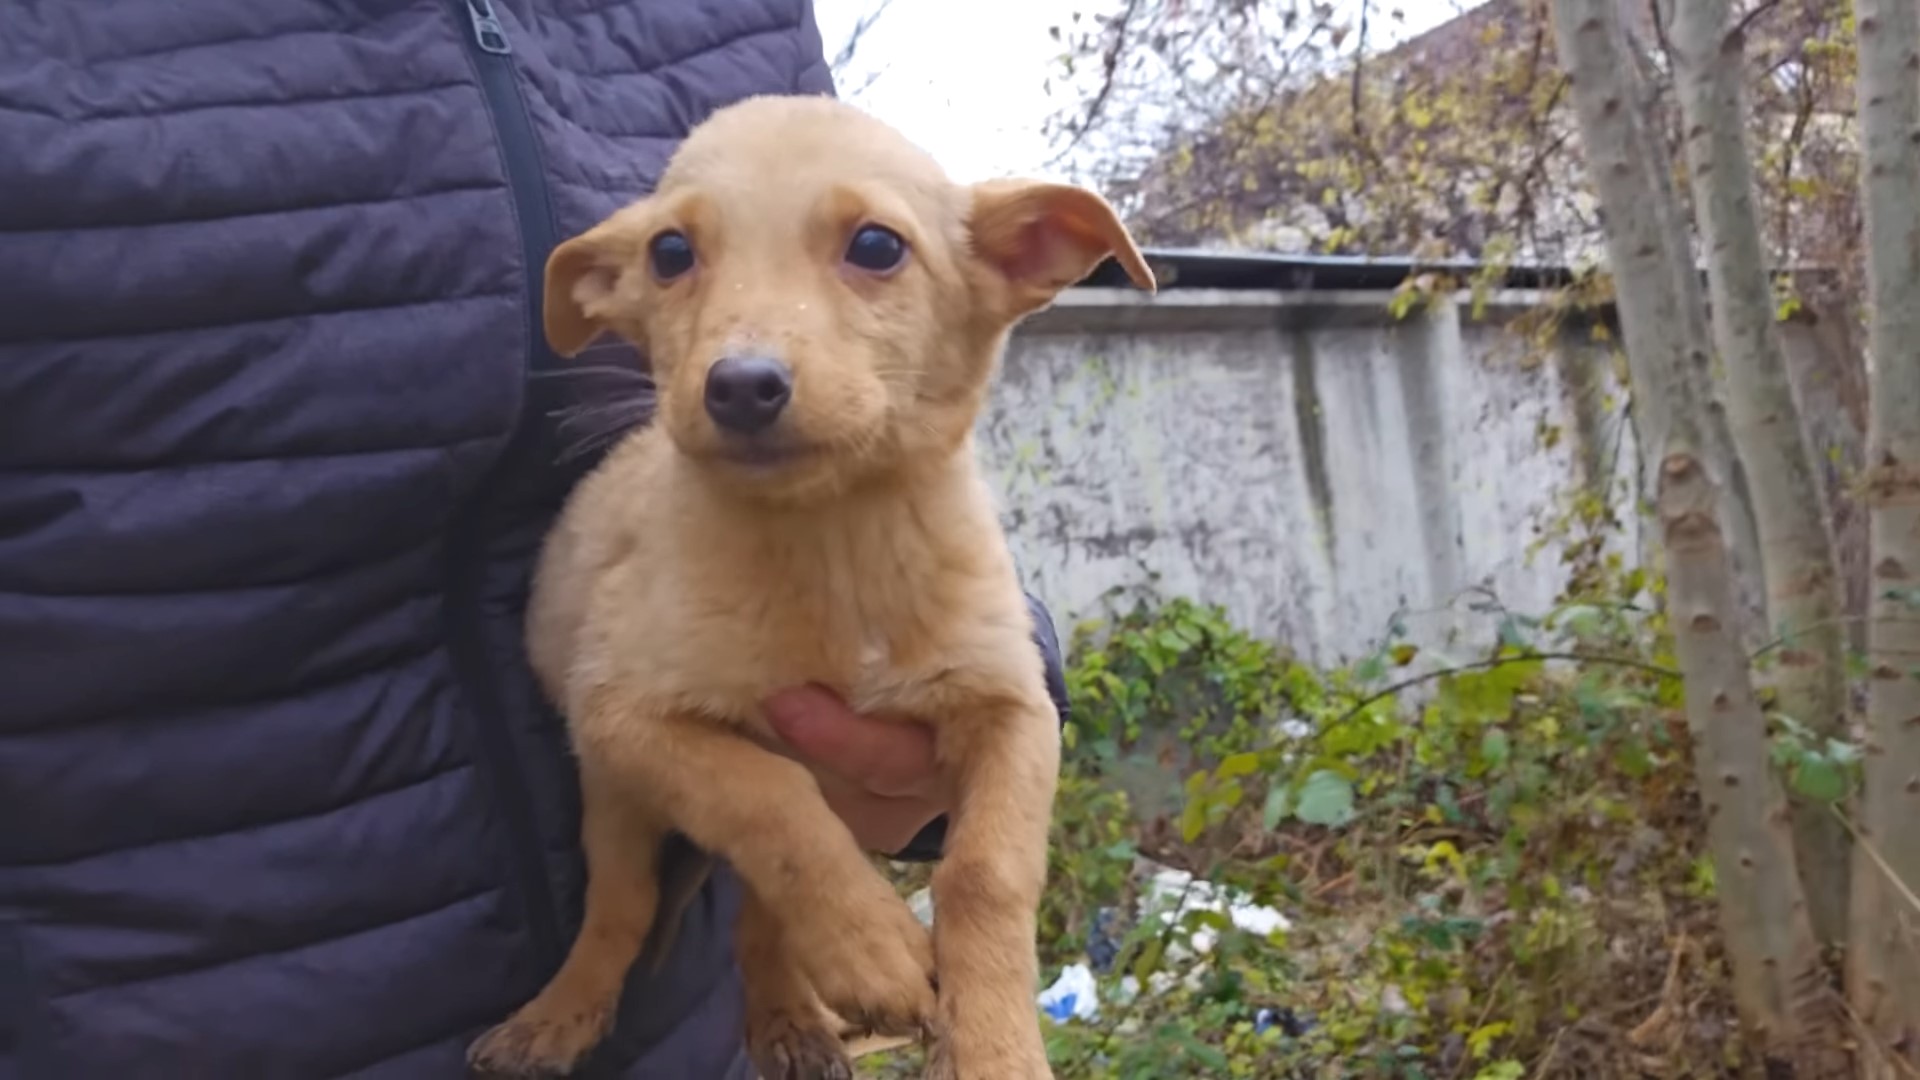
{"x":885,"y":757}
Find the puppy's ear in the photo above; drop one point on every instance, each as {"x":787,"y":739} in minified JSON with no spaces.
{"x":1043,"y":237}
{"x":581,"y":275}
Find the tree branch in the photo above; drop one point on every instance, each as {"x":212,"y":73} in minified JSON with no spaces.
{"x":1501,"y":661}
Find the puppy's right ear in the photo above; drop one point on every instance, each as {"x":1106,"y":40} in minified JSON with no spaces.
{"x":581,"y":275}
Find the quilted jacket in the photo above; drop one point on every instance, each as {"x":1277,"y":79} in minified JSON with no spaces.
{"x":278,"y":795}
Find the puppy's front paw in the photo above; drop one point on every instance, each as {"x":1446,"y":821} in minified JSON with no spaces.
{"x":784,"y":1047}
{"x":941,"y":1065}
{"x":533,"y":1045}
{"x":875,"y":971}
{"x":997,"y":1052}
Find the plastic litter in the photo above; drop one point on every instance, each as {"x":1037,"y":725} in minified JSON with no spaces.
{"x":1171,"y":894}
{"x":1168,"y":895}
{"x":1073,"y":995}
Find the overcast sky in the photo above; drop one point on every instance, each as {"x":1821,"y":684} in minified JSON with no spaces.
{"x":966,"y":78}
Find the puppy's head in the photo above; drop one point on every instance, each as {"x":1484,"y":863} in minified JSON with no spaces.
{"x":819,"y":301}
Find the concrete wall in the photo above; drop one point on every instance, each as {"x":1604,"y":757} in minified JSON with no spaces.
{"x":1303,"y":458}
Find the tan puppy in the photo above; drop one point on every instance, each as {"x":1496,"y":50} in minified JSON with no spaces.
{"x":824,"y":310}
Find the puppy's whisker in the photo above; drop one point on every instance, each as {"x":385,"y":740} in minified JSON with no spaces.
{"x":590,"y":427}
{"x":609,"y":346}
{"x":582,"y":371}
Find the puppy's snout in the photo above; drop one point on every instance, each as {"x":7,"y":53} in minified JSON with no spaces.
{"x":745,"y":394}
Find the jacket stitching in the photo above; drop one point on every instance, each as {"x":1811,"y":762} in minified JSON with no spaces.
{"x":275,"y":458}
{"x":384,"y":664}
{"x":238,"y":103}
{"x":267,"y":320}
{"x":201,"y":969}
{"x":252,"y":825}
{"x":243,"y":215}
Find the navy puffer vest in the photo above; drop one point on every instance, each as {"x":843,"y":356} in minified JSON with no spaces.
{"x":278,"y":797}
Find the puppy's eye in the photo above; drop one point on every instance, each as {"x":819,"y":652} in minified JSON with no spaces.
{"x":876,"y":248}
{"x":671,"y":254}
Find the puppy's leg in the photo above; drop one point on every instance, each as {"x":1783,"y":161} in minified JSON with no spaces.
{"x":788,"y":1034}
{"x":850,"y":934}
{"x":986,"y":894}
{"x":551,"y":1034}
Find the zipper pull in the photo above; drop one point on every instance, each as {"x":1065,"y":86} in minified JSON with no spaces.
{"x":487,"y":29}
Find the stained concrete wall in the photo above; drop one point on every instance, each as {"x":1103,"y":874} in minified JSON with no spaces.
{"x":1303,"y":458}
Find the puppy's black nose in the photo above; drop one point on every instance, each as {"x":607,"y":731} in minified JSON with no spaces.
{"x":746,"y":393}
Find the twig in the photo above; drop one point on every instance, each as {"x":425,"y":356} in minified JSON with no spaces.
{"x":1867,"y":1040}
{"x":1486,"y":1010}
{"x":1644,"y":1032}
{"x":1823,"y":624}
{"x":1878,"y":861}
{"x":1359,"y":73}
{"x":851,"y":46}
{"x":1501,"y":661}
{"x":1110,"y":66}
{"x":1760,"y":11}
{"x":1329,"y":886}
{"x":1546,"y":1059}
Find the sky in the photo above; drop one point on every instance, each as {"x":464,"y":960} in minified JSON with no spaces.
{"x":966,"y":79}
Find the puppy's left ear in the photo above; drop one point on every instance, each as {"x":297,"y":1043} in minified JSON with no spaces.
{"x":1042,"y":237}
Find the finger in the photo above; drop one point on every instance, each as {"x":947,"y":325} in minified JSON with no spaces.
{"x":881,"y":824}
{"x":885,"y":757}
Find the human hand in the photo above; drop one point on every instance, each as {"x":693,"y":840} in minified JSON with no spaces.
{"x":879,"y":774}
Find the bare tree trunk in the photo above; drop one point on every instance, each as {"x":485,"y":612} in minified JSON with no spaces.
{"x":1738,"y":515}
{"x":1769,"y":940}
{"x":1796,"y":551}
{"x":1884,"y":969}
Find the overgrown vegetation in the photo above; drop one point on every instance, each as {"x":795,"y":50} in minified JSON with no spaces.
{"x":1498,"y":870}
{"x":1493,"y":862}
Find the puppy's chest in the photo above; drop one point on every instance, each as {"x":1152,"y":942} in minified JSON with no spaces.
{"x":883,"y":637}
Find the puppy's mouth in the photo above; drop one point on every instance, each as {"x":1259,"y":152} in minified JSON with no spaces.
{"x":761,"y":453}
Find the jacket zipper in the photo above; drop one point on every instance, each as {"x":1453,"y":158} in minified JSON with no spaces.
{"x":526,"y":182}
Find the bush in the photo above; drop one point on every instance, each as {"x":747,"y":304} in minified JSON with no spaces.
{"x":1491,"y":869}
{"x":1489,"y":882}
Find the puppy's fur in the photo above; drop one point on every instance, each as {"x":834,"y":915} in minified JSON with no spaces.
{"x":851,"y":545}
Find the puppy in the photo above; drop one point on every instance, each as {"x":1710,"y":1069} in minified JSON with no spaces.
{"x":824,"y":309}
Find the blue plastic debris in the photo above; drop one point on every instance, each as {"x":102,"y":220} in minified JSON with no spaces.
{"x":1102,"y":948}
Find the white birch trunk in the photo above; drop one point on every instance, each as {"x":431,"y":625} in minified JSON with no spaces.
{"x":1884,"y":962}
{"x":1797,"y":561}
{"x":1769,"y":940}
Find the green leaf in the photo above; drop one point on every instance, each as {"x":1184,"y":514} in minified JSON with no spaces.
{"x":1279,"y":802}
{"x":1581,"y":621}
{"x":1370,"y":669}
{"x":1205,"y":919}
{"x":1634,"y":759}
{"x":1495,"y":747}
{"x":1239,"y":765}
{"x":1820,"y":778}
{"x":1193,"y":820}
{"x":1482,"y":1037}
{"x":1148,"y":961}
{"x":1326,"y":799}
{"x":1589,"y":697}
